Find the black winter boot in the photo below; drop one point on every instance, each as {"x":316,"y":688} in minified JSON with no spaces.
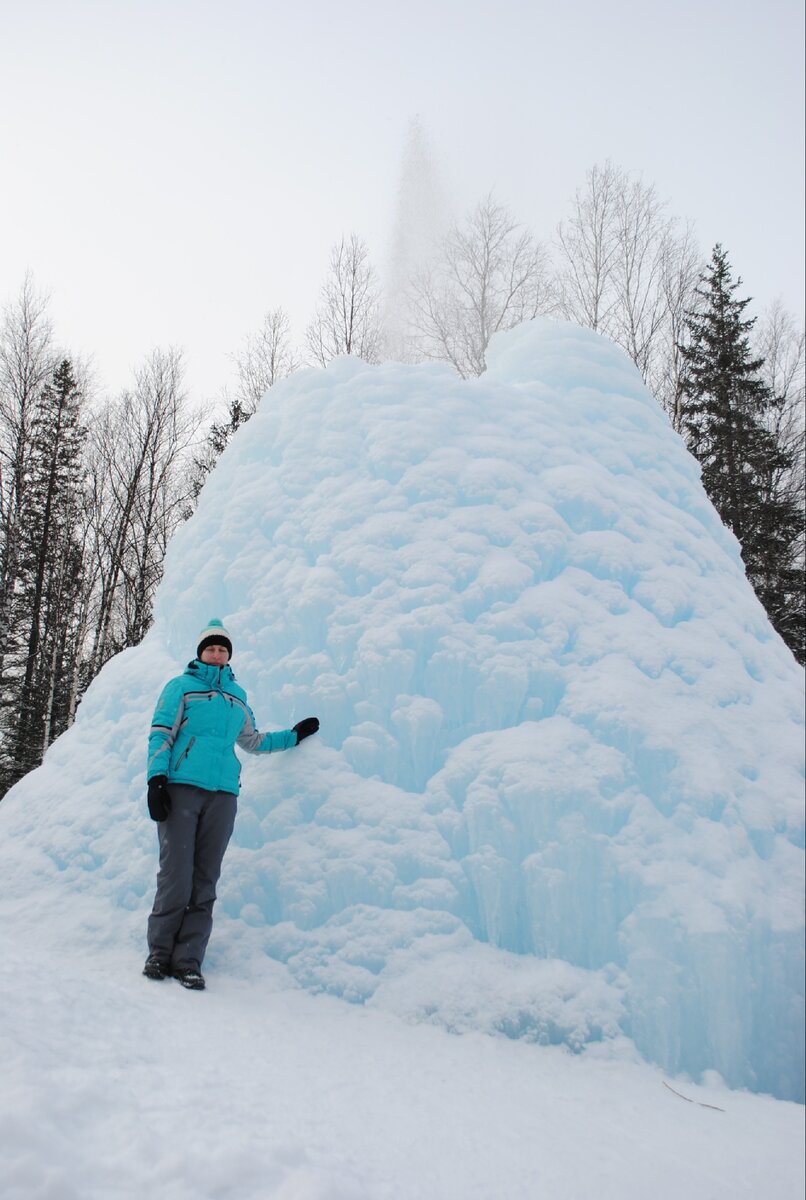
{"x":189,"y":977}
{"x":156,"y":967}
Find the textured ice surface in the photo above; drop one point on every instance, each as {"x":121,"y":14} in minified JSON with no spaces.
{"x":558,"y":790}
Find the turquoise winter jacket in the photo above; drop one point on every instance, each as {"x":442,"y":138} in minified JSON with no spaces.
{"x":199,"y":717}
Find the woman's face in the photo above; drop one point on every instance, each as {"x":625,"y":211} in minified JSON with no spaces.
{"x":216,"y":656}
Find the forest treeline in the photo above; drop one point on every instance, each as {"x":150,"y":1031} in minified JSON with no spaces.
{"x":93,"y":487}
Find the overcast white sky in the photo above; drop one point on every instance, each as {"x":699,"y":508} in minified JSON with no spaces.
{"x":172,"y":169}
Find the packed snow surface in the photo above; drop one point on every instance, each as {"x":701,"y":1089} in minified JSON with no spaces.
{"x":558,"y":790}
{"x":116,"y":1088}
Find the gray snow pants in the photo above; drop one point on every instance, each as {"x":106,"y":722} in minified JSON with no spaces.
{"x":193,"y":839}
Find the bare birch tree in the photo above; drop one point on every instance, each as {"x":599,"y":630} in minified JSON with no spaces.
{"x":643,"y":234}
{"x":682,"y":266}
{"x":588,"y":244}
{"x":266,"y":357}
{"x":139,"y":496}
{"x":348,"y":317}
{"x":779,"y":340}
{"x":628,"y":270}
{"x":491,"y":274}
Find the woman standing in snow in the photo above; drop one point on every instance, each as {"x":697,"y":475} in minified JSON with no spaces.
{"x":193,"y":784}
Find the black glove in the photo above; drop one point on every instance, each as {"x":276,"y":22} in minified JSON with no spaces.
{"x":159,"y":800}
{"x":306,"y":727}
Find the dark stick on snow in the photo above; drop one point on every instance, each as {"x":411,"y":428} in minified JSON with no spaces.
{"x":715,"y":1107}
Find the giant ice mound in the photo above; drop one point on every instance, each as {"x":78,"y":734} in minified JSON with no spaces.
{"x":558,"y":788}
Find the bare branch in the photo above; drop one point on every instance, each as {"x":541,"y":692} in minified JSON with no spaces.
{"x":491,"y":275}
{"x":348,"y":317}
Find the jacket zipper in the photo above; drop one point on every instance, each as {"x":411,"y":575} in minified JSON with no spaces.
{"x":184,"y":753}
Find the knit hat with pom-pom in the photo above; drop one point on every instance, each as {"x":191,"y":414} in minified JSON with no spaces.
{"x":214,"y":634}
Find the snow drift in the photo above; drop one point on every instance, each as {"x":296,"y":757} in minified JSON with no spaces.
{"x":558,"y":788}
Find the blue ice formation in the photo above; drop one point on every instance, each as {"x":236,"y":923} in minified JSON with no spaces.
{"x":558,"y":791}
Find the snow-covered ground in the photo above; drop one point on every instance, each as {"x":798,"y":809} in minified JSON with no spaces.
{"x":114,"y":1088}
{"x":555,"y":808}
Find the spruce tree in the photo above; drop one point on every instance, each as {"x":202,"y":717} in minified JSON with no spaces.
{"x":725,"y":421}
{"x":50,"y":572}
